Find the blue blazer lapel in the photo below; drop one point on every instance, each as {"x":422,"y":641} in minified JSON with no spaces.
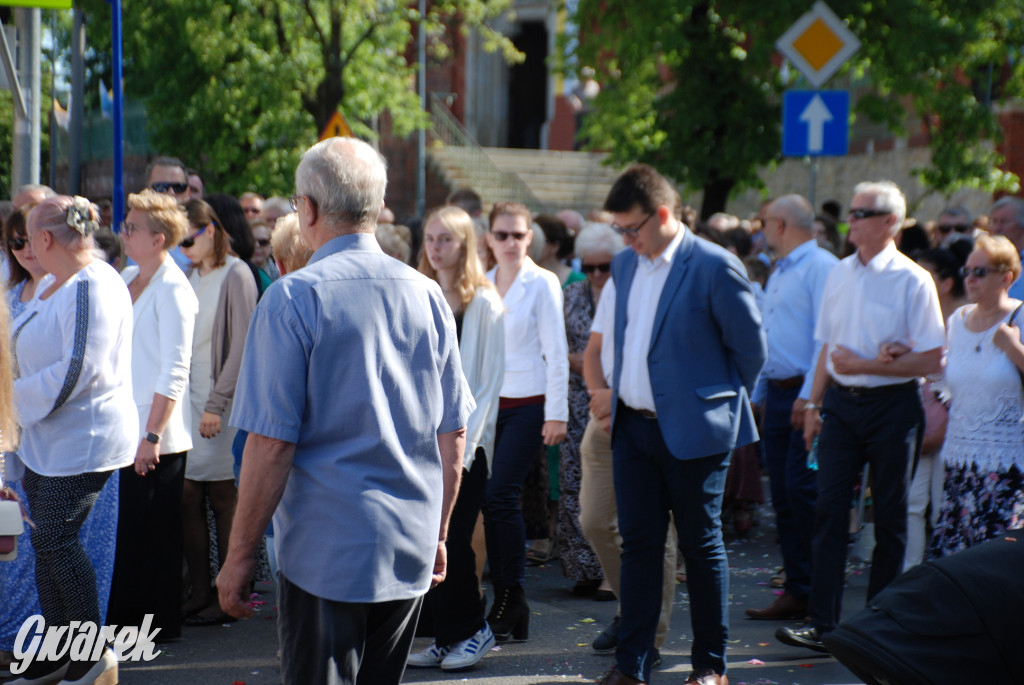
{"x":675,"y":279}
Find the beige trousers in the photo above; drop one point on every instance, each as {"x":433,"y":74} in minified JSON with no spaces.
{"x":599,"y":519}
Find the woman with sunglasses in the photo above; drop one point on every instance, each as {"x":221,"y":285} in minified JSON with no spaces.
{"x":26,"y":271}
{"x":449,"y":256}
{"x":147,"y":572}
{"x":983,"y":489}
{"x":595,"y":246}
{"x":79,"y":421}
{"x":227,"y":296}
{"x":532,"y":409}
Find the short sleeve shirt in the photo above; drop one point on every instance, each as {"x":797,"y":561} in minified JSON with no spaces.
{"x":355,"y":360}
{"x":889,"y":299}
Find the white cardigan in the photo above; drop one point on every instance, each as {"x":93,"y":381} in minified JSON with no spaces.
{"x":482,"y":349}
{"x":536,"y":349}
{"x":165,"y":315}
{"x":74,"y":393}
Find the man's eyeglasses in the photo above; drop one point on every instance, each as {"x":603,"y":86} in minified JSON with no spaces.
{"x":949,"y":228}
{"x":502,"y":236}
{"x":631,"y":231}
{"x":981,"y":271}
{"x":177,"y":188}
{"x":128,"y":230}
{"x":191,"y":240}
{"x":867,"y":213}
{"x":17,"y":244}
{"x":263,"y":242}
{"x":591,"y":268}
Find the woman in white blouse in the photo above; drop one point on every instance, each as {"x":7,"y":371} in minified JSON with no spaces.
{"x":75,"y":406}
{"x":147,"y":570}
{"x":533,"y":406}
{"x":449,"y":256}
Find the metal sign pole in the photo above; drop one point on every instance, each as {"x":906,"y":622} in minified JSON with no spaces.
{"x":115,"y":22}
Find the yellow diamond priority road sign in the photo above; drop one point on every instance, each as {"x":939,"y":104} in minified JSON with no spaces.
{"x":818,"y":43}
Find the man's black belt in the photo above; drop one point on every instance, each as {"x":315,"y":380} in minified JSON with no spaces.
{"x":869,"y":391}
{"x":646,"y":413}
{"x":787,"y":383}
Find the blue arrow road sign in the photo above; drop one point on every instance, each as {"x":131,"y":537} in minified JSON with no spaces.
{"x":815,"y":123}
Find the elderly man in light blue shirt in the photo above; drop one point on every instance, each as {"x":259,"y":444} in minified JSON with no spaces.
{"x":353,"y":393}
{"x":792,"y":301}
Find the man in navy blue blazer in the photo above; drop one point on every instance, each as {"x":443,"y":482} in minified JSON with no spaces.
{"x":688,"y":349}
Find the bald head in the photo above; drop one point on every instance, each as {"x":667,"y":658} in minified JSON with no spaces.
{"x":796,"y":211}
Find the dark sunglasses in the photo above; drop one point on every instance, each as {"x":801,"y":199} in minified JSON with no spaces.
{"x":502,"y":236}
{"x":191,"y":240}
{"x":867,"y":213}
{"x":164,"y":187}
{"x":17,"y":244}
{"x":263,"y":242}
{"x":949,"y":228}
{"x":981,"y":271}
{"x":591,"y":268}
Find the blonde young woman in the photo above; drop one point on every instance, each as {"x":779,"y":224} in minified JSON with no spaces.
{"x":449,"y":256}
{"x":227,"y":293}
{"x":147,"y":571}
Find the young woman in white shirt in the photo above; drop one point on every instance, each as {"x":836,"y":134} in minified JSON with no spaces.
{"x":78,"y":418}
{"x":533,"y":406}
{"x":147,"y":569}
{"x":449,"y":256}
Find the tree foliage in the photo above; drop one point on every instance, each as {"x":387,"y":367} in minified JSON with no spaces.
{"x":694,"y":87}
{"x":240,"y":88}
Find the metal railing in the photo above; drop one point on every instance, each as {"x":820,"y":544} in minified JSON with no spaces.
{"x":481,"y":172}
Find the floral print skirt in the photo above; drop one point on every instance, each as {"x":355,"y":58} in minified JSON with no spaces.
{"x":977,"y":505}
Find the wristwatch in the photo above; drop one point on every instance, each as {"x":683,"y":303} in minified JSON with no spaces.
{"x":152,"y":437}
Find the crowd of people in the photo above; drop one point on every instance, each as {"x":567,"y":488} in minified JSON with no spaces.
{"x":610,"y":389}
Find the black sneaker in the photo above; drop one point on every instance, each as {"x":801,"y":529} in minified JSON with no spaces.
{"x":804,"y":636}
{"x":608,"y":640}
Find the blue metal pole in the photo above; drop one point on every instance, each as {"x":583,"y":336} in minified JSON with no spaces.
{"x":115,"y":22}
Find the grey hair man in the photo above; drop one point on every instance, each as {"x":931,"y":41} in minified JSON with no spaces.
{"x":32,"y":193}
{"x":955,"y":223}
{"x":880,"y":329}
{"x":362,"y":505}
{"x":792,"y":302}
{"x":1007,"y":218}
{"x":169,"y":175}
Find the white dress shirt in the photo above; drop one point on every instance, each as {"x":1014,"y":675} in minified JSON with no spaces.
{"x":644,"y":294}
{"x":165,"y":315}
{"x":482,"y":349}
{"x":604,"y":325}
{"x":74,"y":393}
{"x":536,"y":349}
{"x":889,"y":299}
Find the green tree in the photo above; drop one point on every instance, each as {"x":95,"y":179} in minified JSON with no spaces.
{"x":694,"y":87}
{"x":240,"y":88}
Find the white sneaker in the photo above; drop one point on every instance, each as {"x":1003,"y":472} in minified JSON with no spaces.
{"x":431,"y":657}
{"x":468,"y":653}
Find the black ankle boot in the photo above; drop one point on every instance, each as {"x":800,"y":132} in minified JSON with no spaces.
{"x":510,"y":614}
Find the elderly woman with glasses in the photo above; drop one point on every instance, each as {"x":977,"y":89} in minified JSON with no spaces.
{"x":983,"y":489}
{"x":147,"y":573}
{"x":532,"y":405}
{"x":227,"y":296}
{"x":78,"y":418}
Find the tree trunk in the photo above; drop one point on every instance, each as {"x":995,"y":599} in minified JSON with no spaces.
{"x":716,"y":195}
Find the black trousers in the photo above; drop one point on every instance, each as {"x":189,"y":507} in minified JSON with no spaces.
{"x":454,"y":606}
{"x":147,"y":568}
{"x":881,"y":429}
{"x":342,"y":643}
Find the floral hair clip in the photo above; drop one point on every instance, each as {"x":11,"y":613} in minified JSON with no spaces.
{"x":80,"y":216}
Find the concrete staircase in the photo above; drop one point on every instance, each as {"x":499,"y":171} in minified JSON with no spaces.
{"x":556,"y":180}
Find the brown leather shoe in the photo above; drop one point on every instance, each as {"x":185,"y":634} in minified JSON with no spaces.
{"x":705,"y":676}
{"x":784,"y":608}
{"x":617,"y":677}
